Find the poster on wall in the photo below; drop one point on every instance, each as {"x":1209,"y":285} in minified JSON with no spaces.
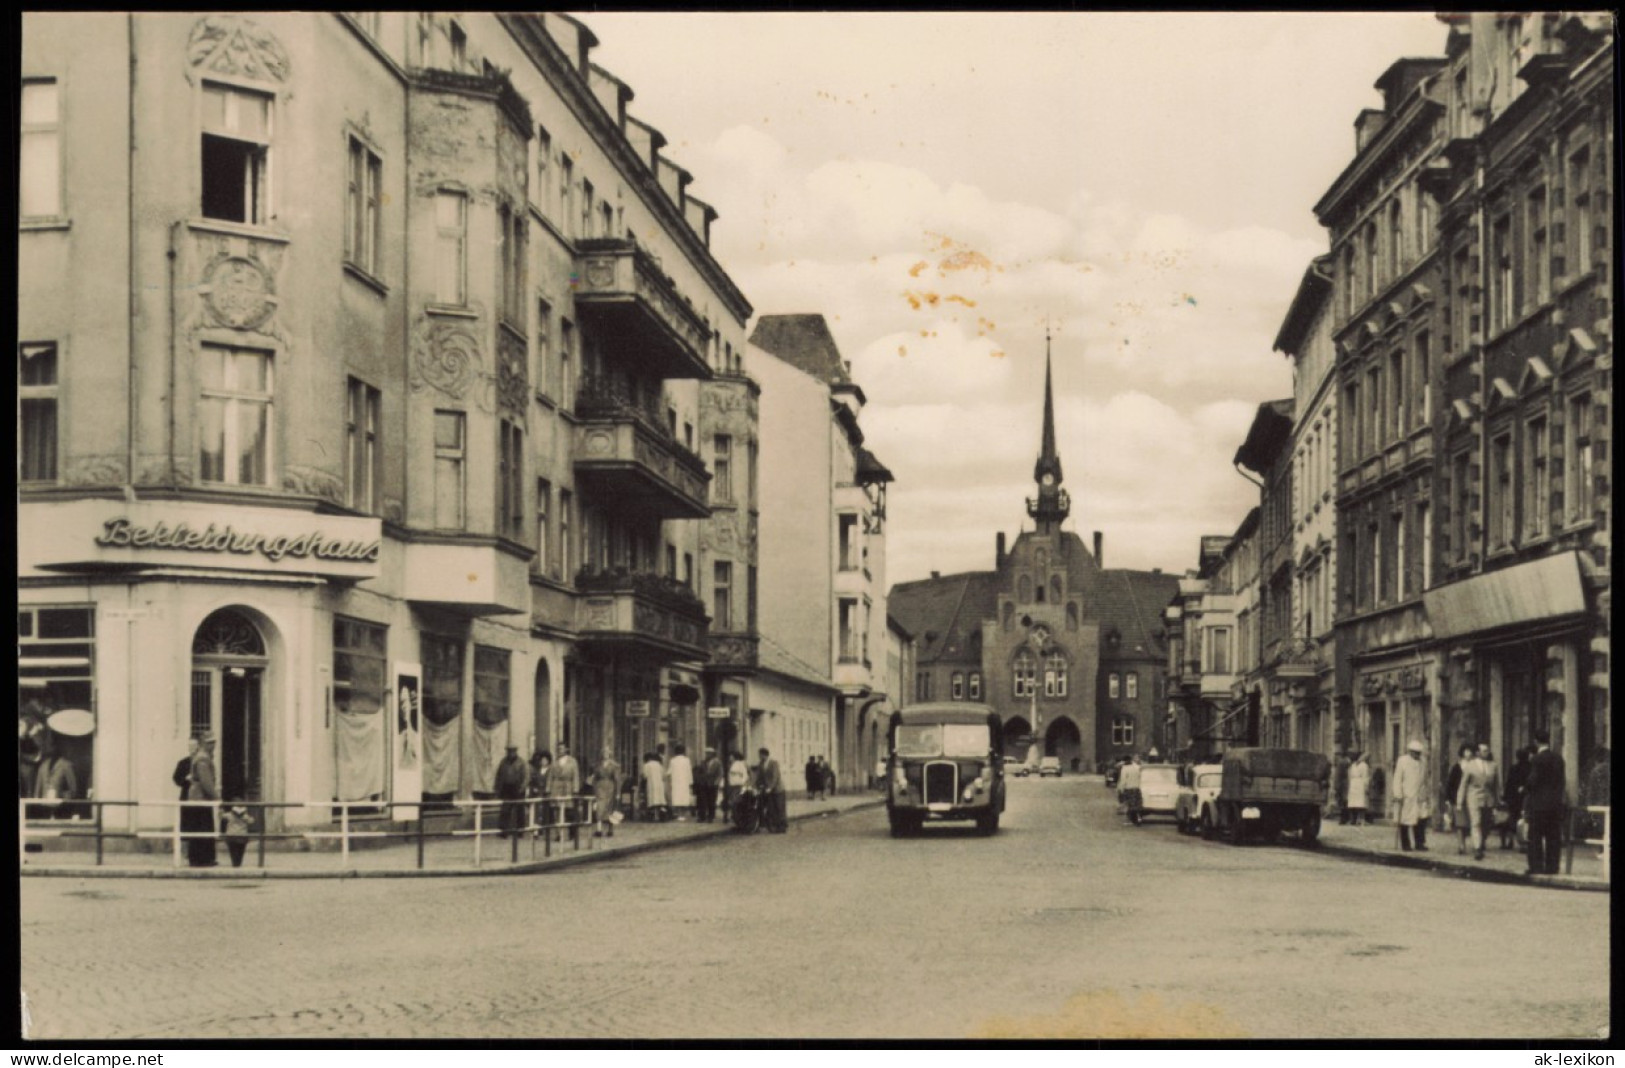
{"x":407,"y":781}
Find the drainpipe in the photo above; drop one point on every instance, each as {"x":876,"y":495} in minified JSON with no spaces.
{"x":1481,"y":226}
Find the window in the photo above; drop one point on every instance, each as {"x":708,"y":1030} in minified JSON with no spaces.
{"x":1375,"y":589}
{"x":1131,"y":685}
{"x":1025,"y":672}
{"x":1218,"y":645}
{"x":1537,"y":483}
{"x":750,"y":604}
{"x":511,"y":258}
{"x":1579,"y":236}
{"x":544,"y":348}
{"x":360,"y":681}
{"x":1540,"y":250}
{"x":1396,"y":392}
{"x":511,"y":480}
{"x":1460,"y":506}
{"x":722,"y":489}
{"x":544,"y":154}
{"x":976,"y":686}
{"x":544,"y":563}
{"x":1347,"y":279}
{"x":1396,"y":238}
{"x":1351,"y":423}
{"x":449,"y":445}
{"x":564,"y":567}
{"x":56,"y":652}
{"x":459,"y":47}
{"x":236,"y":154}
{"x":848,"y":542}
{"x":566,"y":191}
{"x":1424,"y":523}
{"x":1055,"y":675}
{"x":451,"y":247}
{"x":849,"y":628}
{"x":1422,"y":395}
{"x":1114,"y":685}
{"x":586,"y":209}
{"x":956,"y":686}
{"x":688,"y":436}
{"x":722,"y":577}
{"x":1501,"y":507}
{"x":1577,"y":487}
{"x":567,"y":363}
{"x":40,"y":154}
{"x":1460,"y":313}
{"x":361,"y":426}
{"x":1369,"y":239}
{"x":36,"y":412}
{"x":688,"y":570}
{"x":606,"y":216}
{"x":1122,"y":731}
{"x":234,"y":424}
{"x":492,"y":687}
{"x":363,"y":226}
{"x":1502,"y":296}
{"x":1374,"y":431}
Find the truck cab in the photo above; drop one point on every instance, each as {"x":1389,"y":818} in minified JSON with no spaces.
{"x":944,"y":763}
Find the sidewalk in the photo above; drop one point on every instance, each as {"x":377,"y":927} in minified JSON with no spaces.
{"x":441,"y":857}
{"x":1378,"y":843}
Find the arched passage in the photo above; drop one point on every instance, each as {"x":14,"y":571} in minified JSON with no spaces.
{"x":1061,"y":739}
{"x":542,"y":729}
{"x":229,"y":661}
{"x":1016,"y":731}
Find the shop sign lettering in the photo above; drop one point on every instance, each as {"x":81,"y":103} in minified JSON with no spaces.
{"x":121,"y":532}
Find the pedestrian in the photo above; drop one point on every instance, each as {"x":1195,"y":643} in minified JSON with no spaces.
{"x":1128,"y":789}
{"x":815,"y":777}
{"x":1478,"y":795}
{"x":681,"y":774}
{"x":1359,"y":790}
{"x":770,"y":782}
{"x":236,"y":824}
{"x":654,"y":787}
{"x":57,"y":782}
{"x":202,"y":790}
{"x":1517,"y":783}
{"x":563,"y":784}
{"x":738,"y":776}
{"x":1545,"y":797}
{"x":183,"y":768}
{"x":512,"y":782}
{"x":541,"y":764}
{"x":827,"y":782}
{"x":1452,"y":786}
{"x":1340,"y":785}
{"x":707,"y":779}
{"x":606,"y":788}
{"x":1409,"y":797}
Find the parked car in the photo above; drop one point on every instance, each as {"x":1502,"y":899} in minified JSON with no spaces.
{"x":1159,"y":790}
{"x":1049,"y":766}
{"x":1017,"y":766}
{"x":1196,"y":796}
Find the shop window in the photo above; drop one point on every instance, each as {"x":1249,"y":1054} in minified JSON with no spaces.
{"x":37,"y":412}
{"x":442,"y":707}
{"x":361,"y":426}
{"x":236,"y":154}
{"x":492,"y":697}
{"x":449,"y":456}
{"x":40,"y":152}
{"x":56,"y":711}
{"x":234,"y":425}
{"x":360,"y":686}
{"x":363,"y":231}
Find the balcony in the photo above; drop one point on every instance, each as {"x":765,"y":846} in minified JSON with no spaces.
{"x":627,"y":300}
{"x":853,"y":674}
{"x":640,"y":611}
{"x":735,"y":653}
{"x":624,"y":452}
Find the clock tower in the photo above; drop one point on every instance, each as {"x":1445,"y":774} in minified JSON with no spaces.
{"x":1052,"y":505}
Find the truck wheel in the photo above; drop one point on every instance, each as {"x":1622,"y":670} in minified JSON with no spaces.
{"x":1237,"y":828}
{"x":988,"y":824}
{"x":1207,"y":824}
{"x":1309,"y":836}
{"x":899,"y":823}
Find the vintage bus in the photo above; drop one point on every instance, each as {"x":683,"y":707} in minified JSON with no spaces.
{"x":944,"y":762}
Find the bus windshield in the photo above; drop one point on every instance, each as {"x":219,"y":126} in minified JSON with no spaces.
{"x":942,"y":739}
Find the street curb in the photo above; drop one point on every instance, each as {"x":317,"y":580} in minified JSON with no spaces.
{"x":1458,"y":871}
{"x":534,"y":867}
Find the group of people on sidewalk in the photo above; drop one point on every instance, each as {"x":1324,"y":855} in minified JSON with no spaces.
{"x":547,"y":788}
{"x":820,"y":776}
{"x":1476,"y":802}
{"x":679,"y":788}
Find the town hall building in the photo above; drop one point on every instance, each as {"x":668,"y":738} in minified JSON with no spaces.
{"x":1068,"y":652}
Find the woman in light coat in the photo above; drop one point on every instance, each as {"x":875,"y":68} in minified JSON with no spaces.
{"x":654,"y":787}
{"x":606,"y":787}
{"x":1359,"y":786}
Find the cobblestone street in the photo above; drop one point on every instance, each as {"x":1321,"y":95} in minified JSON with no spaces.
{"x":1067,"y":922}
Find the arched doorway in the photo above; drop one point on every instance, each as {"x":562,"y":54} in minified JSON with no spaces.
{"x":1017,"y":735}
{"x":542,"y":723}
{"x":229,"y":659}
{"x":1061,"y":739}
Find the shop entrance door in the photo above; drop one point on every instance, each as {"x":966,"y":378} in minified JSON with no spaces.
{"x":226,"y":700}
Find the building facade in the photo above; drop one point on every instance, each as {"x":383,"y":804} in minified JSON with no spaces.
{"x":1069,"y":653}
{"x":824,"y":561}
{"x":402,"y":456}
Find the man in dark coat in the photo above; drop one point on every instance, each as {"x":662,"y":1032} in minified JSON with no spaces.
{"x":707,"y":778}
{"x":1543,"y":806}
{"x":770,"y":781}
{"x":512,"y":778}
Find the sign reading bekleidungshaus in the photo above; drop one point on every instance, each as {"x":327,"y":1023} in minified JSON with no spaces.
{"x":84,"y":535}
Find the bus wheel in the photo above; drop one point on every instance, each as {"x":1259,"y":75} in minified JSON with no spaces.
{"x":988,"y":824}
{"x":1309,"y":837}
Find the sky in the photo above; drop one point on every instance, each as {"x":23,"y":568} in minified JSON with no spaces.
{"x":943,"y":188}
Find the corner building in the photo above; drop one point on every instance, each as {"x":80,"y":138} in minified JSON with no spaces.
{"x":361,"y":360}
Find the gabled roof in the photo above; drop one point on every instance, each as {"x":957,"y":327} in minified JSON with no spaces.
{"x":1131,"y":603}
{"x":870,"y":469}
{"x":942,"y":613}
{"x":779,"y":660}
{"x":804,"y":342}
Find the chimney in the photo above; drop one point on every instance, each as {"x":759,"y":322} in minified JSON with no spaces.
{"x":1100,"y":561}
{"x":998,"y":551}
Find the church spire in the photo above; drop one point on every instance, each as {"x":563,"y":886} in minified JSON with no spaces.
{"x":1052,"y":505}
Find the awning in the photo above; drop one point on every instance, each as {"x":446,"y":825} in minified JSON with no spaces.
{"x":1526,"y":593}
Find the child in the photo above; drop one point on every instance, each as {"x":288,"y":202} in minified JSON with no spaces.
{"x":236,"y":824}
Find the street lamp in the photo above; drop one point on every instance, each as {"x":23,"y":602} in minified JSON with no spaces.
{"x":1038,"y":641}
